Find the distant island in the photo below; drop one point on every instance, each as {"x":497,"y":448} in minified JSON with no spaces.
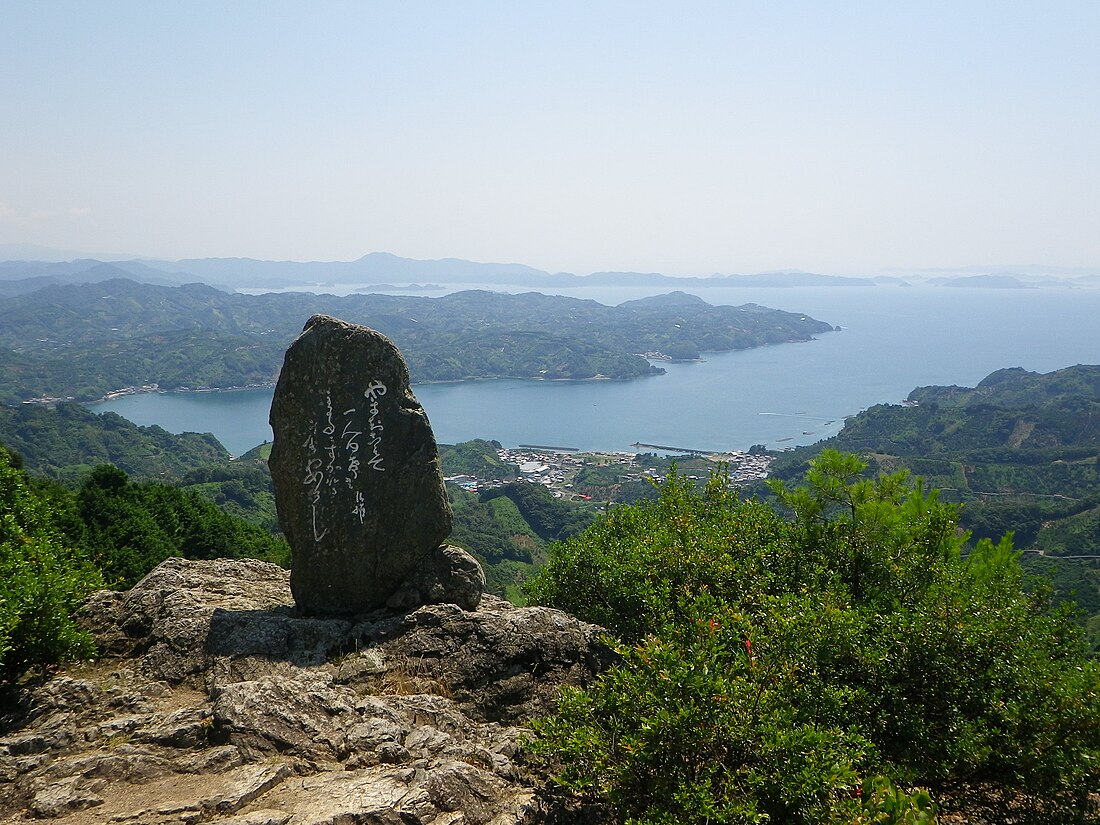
{"x":995,"y":281}
{"x":377,"y":271}
{"x":382,"y":271}
{"x":402,"y":288}
{"x":83,"y":341}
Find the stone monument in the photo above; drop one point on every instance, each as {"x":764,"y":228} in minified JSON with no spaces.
{"x":358,"y":483}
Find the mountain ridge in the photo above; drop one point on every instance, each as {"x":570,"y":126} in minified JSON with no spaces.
{"x":383,"y":267}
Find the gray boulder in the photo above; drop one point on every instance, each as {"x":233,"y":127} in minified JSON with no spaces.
{"x":358,"y":484}
{"x":449,"y":575}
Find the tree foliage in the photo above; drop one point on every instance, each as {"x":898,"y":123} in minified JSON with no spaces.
{"x":42,"y":580}
{"x":129,"y":527}
{"x":1020,"y":452}
{"x":493,"y":534}
{"x":550,"y":518}
{"x":68,"y":440}
{"x":477,"y":457}
{"x":807,"y":668}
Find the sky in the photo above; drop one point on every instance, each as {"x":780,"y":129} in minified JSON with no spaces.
{"x":687,"y":138}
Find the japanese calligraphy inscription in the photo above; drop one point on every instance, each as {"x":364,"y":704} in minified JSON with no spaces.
{"x":356,"y":471}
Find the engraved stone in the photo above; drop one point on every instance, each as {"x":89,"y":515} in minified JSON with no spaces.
{"x":358,"y":483}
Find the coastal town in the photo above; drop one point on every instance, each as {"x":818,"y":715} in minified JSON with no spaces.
{"x":562,"y":470}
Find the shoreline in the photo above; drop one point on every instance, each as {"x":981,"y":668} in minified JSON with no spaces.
{"x":145,"y":389}
{"x":154,"y":389}
{"x":656,"y":370}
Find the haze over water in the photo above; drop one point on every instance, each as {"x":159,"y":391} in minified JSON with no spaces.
{"x":892,"y":340}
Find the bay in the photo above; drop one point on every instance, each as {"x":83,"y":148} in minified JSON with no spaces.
{"x":892,"y":340}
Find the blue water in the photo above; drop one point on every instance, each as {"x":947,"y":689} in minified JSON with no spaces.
{"x":893,"y":339}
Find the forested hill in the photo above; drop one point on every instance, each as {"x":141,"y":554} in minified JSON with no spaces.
{"x":1011,"y":416}
{"x":1016,"y":387}
{"x":1019,"y":450}
{"x":84,"y":340}
{"x":69,"y":440}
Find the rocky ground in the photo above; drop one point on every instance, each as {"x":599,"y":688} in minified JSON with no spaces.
{"x":215,"y":701}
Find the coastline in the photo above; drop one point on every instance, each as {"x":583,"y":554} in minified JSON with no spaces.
{"x":655,"y":356}
{"x":149,"y":389}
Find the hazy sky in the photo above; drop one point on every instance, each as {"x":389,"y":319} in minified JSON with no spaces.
{"x":683,"y":137}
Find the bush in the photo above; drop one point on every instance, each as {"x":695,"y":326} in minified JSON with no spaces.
{"x":806,"y":669}
{"x":41,"y":583}
{"x":131,"y":527}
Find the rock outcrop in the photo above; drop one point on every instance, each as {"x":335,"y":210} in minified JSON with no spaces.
{"x":215,"y":700}
{"x":357,"y":478}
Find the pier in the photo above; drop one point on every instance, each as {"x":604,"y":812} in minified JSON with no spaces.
{"x":667,"y":449}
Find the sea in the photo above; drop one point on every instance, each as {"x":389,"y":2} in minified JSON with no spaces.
{"x":891,"y":340}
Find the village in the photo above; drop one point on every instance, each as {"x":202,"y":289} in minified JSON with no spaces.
{"x":560,"y":469}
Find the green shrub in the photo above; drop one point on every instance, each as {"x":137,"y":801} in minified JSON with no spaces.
{"x":41,"y":582}
{"x":808,"y":669}
{"x":131,"y":527}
